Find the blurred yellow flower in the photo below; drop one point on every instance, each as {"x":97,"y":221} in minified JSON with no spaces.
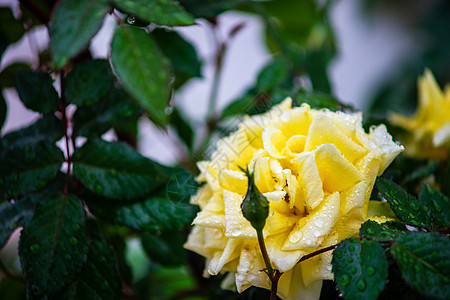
{"x":317,"y":169}
{"x":428,"y":131}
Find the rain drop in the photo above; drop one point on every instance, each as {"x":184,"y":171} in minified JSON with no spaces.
{"x":345,"y":279}
{"x":35,"y":248}
{"x":296,"y":236}
{"x":370,"y":270}
{"x":73,"y":241}
{"x":99,"y":188}
{"x":353,"y":270}
{"x":131,"y":20}
{"x":361,"y":285}
{"x":76,"y":227}
{"x":236,"y":232}
{"x":316,"y":233}
{"x":414,"y":205}
{"x":351,"y":248}
{"x":67,"y":257}
{"x":168,"y":110}
{"x":319,"y":223}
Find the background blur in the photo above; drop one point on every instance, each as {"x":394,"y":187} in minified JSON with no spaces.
{"x":382,"y":46}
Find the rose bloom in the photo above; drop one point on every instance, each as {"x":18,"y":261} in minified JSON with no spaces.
{"x":316,"y":168}
{"x":428,"y":131}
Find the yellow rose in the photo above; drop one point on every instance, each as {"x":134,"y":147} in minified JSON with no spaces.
{"x":317,"y":169}
{"x":428,"y":131}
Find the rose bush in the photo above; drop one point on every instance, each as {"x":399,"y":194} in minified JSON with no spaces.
{"x":317,"y":169}
{"x":428,"y":130}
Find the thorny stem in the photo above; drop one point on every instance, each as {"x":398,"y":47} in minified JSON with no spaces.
{"x":274,"y":275}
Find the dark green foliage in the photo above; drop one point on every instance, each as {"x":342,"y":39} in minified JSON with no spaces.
{"x":11,"y":30}
{"x":88,"y":82}
{"x":143,"y":70}
{"x":73,"y":24}
{"x":36,"y":91}
{"x":387,"y":231}
{"x":423,"y":259}
{"x":162,"y":12}
{"x":95,"y":120}
{"x":116,"y":170}
{"x":181,"y":54}
{"x":153,"y":214}
{"x":165,"y":248}
{"x":8,"y":74}
{"x":99,"y":279}
{"x":27,"y":168}
{"x":360,"y":268}
{"x":54,"y":245}
{"x":255,"y":207}
{"x":182,"y":127}
{"x":47,"y":129}
{"x":439,"y":205}
{"x":406,"y":207}
{"x":13,"y":215}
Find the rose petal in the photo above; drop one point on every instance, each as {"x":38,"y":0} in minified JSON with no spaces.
{"x":309,"y":178}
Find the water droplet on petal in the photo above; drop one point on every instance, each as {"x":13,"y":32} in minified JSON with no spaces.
{"x":296,"y":236}
{"x":319,"y":223}
{"x":236,"y":232}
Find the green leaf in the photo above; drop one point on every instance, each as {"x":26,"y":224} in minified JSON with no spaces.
{"x":423,"y":260}
{"x":95,"y":120}
{"x":273,"y":74}
{"x":53,"y":246}
{"x":100,"y":278}
{"x":165,"y":248}
{"x":28,"y":168}
{"x":239,"y":106}
{"x":8,"y":74}
{"x":14,"y":214}
{"x":319,"y":100}
{"x":162,"y":12}
{"x":406,"y":207}
{"x":255,"y":206}
{"x":422,"y":171}
{"x":181,"y":185}
{"x":74,"y":23}
{"x":360,"y":268}
{"x":36,"y":91}
{"x":3,"y":110}
{"x":386,"y":231}
{"x":209,"y":9}
{"x":46,"y":129}
{"x":439,"y":204}
{"x":143,"y":70}
{"x":153,"y":214}
{"x":116,"y":170}
{"x":11,"y":30}
{"x":183,"y":128}
{"x":88,"y":82}
{"x":181,"y":53}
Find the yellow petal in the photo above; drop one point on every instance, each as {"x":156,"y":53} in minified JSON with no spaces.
{"x":353,"y":197}
{"x":296,"y":145}
{"x":236,"y":226}
{"x":274,"y":142}
{"x":311,"y":231}
{"x":282,"y":260}
{"x":319,"y":267}
{"x":231,"y":251}
{"x":324,"y":131}
{"x":249,"y":269}
{"x":309,"y":178}
{"x":296,"y":193}
{"x":330,"y":163}
{"x":234,"y":181}
{"x":213,"y":214}
{"x":278,"y":222}
{"x":299,"y":291}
